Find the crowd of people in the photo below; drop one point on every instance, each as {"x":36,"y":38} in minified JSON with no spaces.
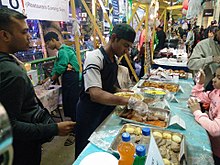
{"x":89,"y":104}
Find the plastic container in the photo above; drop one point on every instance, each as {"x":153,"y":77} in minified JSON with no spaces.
{"x":140,"y":155}
{"x":126,"y":150}
{"x":145,"y":139}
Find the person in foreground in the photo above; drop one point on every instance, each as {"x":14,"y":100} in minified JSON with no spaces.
{"x":31,"y":125}
{"x":210,"y":120}
{"x":67,"y":67}
{"x":97,"y":99}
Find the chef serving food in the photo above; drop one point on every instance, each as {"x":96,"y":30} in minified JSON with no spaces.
{"x":97,"y":99}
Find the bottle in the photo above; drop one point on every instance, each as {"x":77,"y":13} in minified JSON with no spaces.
{"x":126,"y":150}
{"x":145,"y":139}
{"x":140,"y":155}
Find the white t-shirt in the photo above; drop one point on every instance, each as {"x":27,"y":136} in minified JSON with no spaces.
{"x":92,"y":66}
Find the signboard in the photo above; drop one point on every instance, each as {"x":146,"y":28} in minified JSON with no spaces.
{"x":115,"y":12}
{"x":208,"y":12}
{"x":12,"y":4}
{"x":51,"y":10}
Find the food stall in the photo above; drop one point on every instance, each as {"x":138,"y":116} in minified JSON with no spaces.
{"x":197,"y":144}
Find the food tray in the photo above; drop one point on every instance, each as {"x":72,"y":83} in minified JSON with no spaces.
{"x":157,"y":117}
{"x":163,"y":139}
{"x":157,"y":73}
{"x":151,"y":92}
{"x":171,"y":87}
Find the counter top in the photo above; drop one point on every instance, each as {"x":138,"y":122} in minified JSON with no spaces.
{"x":196,"y":138}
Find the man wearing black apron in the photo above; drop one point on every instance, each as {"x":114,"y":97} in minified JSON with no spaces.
{"x":97,"y":100}
{"x":66,"y":65}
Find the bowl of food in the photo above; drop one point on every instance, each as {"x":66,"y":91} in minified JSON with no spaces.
{"x":129,"y":94}
{"x":155,"y":93}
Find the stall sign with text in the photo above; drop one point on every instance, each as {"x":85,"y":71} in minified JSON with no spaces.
{"x":51,"y":10}
{"x":12,"y":4}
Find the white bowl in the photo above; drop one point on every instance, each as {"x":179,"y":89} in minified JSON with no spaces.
{"x":99,"y":158}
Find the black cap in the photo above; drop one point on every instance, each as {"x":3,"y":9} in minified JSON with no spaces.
{"x":51,"y":35}
{"x":124,"y":31}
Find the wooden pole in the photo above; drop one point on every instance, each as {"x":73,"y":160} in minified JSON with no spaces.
{"x":132,"y":69}
{"x":94,"y":16}
{"x":133,"y":12}
{"x":93,"y":21}
{"x":44,"y":51}
{"x":152,"y":47}
{"x":161,"y":16}
{"x":105,"y":12}
{"x":165,"y":20}
{"x":146,"y":38}
{"x":76,"y":35}
{"x":140,"y":23}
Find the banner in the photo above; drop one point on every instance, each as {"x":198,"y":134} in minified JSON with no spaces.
{"x":115,"y":12}
{"x":51,"y":10}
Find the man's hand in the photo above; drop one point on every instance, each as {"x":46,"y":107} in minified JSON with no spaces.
{"x":193,"y":105}
{"x":137,"y":105}
{"x":66,"y":127}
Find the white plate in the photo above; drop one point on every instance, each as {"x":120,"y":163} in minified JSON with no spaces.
{"x":99,"y":158}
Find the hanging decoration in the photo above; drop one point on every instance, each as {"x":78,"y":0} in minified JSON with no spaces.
{"x":75,"y":27}
{"x":194,"y":8}
{"x":185,"y":4}
{"x":130,"y":8}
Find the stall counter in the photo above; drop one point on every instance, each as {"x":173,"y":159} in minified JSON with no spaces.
{"x":196,"y":138}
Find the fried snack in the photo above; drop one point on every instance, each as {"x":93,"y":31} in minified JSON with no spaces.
{"x":137,"y":131}
{"x":125,"y":114}
{"x":158,"y":134}
{"x":152,"y":118}
{"x":175,"y":147}
{"x":174,"y":157}
{"x":129,"y":130}
{"x":176,"y":138}
{"x":160,"y":116}
{"x":158,"y":139}
{"x":137,"y":117}
{"x":166,"y":162}
{"x":166,"y":135}
{"x":162,"y":142}
{"x":165,"y":86}
{"x":163,"y":151}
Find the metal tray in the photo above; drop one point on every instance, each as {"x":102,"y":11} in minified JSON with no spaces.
{"x":114,"y":145}
{"x":156,"y":111}
{"x":181,"y":154}
{"x":171,"y":87}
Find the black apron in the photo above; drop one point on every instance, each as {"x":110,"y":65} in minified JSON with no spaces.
{"x":70,"y":93}
{"x":89,"y":115}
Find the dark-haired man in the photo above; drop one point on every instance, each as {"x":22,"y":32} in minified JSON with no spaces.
{"x":206,"y":56}
{"x":66,"y":65}
{"x":17,"y":93}
{"x":97,"y":100}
